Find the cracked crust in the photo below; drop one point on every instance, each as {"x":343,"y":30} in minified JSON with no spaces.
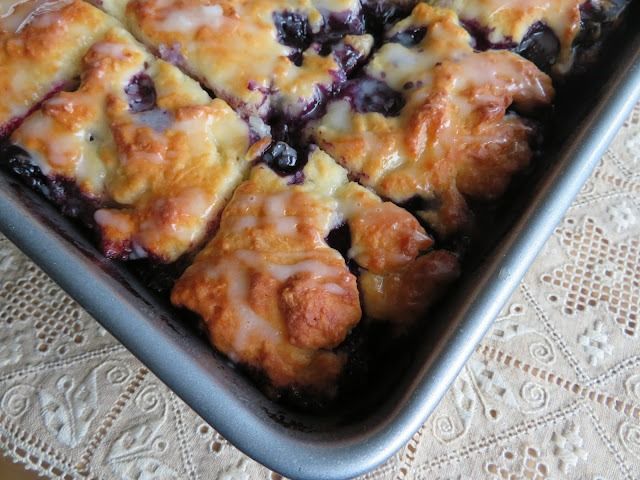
{"x":256,"y":72}
{"x":509,"y":22}
{"x":456,"y":136}
{"x":164,"y":173}
{"x":272,"y":293}
{"x":276,"y":297}
{"x":41,"y":49}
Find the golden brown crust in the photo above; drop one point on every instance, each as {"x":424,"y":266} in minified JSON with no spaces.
{"x":272,"y":293}
{"x":253,"y":72}
{"x":396,"y":283}
{"x":405,"y":296}
{"x":509,"y":21}
{"x":170,"y":167}
{"x":386,"y":238}
{"x":41,"y":49}
{"x":276,"y":297}
{"x":454,"y":137}
{"x":316,"y":317}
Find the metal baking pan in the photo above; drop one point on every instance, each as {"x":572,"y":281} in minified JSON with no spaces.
{"x":337,"y":445}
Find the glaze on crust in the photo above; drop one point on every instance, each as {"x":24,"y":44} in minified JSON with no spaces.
{"x":448,"y":130}
{"x":543,"y":31}
{"x":146,"y":143}
{"x":276,"y":297}
{"x":264,"y":58}
{"x":302,"y":263}
{"x":398,"y":281}
{"x":41,"y":48}
{"x":273,"y":295}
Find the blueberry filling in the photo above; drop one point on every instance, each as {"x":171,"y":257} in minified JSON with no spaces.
{"x":345,"y":23}
{"x":171,"y":54}
{"x":293,"y":29}
{"x":281,"y":158}
{"x":348,"y":57}
{"x":410,"y":37}
{"x":297,"y":57}
{"x":61,"y":191}
{"x":601,"y":12}
{"x":280,"y":130}
{"x":540,"y":46}
{"x":593,"y":18}
{"x":340,"y":239}
{"x":297,"y":178}
{"x":19,"y":162}
{"x":338,"y":25}
{"x":371,"y":95}
{"x":141,"y":93}
{"x":378,"y":14}
{"x":480,"y":35}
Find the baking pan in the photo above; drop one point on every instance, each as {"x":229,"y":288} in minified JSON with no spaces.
{"x":344,"y":443}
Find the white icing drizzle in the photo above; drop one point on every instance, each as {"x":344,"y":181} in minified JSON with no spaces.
{"x":316,"y":268}
{"x":10,"y":8}
{"x":64,"y":150}
{"x":193,"y":203}
{"x":259,"y":126}
{"x":192,"y":18}
{"x":275,"y":205}
{"x":334,"y":288}
{"x":236,"y":265}
{"x":274,"y":214}
{"x":236,"y":274}
{"x":113,"y":50}
{"x":112,"y":219}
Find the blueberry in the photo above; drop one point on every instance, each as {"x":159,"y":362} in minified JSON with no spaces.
{"x":340,"y":239}
{"x":293,"y":29}
{"x":595,"y":16}
{"x":371,"y":95}
{"x":339,"y":24}
{"x":540,"y":46}
{"x":281,"y":158}
{"x":296,"y":57}
{"x":141,"y":93}
{"x":20,"y":162}
{"x":380,"y":13}
{"x":348,"y":57}
{"x":344,"y":23}
{"x":411,"y":37}
{"x":480,"y":35}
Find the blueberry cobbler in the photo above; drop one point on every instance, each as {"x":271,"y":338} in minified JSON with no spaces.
{"x":274,"y":294}
{"x":272,"y":58}
{"x":41,"y":47}
{"x":304,"y":162}
{"x":431,"y":121}
{"x":550,"y":34}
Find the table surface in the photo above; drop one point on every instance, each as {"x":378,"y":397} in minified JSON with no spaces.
{"x":553,"y":391}
{"x":13,"y":471}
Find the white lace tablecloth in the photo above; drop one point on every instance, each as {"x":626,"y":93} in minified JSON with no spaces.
{"x":553,"y":391}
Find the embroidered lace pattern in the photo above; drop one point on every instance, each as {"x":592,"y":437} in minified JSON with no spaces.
{"x":553,"y":391}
